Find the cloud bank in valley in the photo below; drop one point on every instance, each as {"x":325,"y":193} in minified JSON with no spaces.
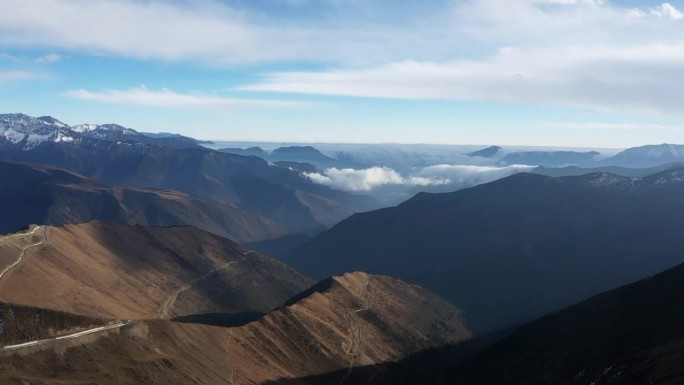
{"x":459,"y":176}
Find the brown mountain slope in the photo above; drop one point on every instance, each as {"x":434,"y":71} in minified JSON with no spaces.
{"x":59,"y":197}
{"x":132,"y":272}
{"x":341,"y":322}
{"x":22,"y":323}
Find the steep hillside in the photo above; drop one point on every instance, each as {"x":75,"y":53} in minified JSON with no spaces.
{"x":133,"y":272}
{"x":46,"y":195}
{"x":249,"y":183}
{"x":20,"y":324}
{"x":517,"y":248}
{"x":631,"y":335}
{"x":340,"y":323}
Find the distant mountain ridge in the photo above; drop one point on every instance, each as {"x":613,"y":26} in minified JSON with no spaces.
{"x":139,"y":161}
{"x":488,"y":152}
{"x":29,"y":132}
{"x":549,"y":158}
{"x":305,"y":155}
{"x":60,"y":197}
{"x":647,"y":156}
{"x":514,"y":249}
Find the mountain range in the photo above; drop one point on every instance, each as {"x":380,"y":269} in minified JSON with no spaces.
{"x":136,"y":258}
{"x":47,"y":195}
{"x":248,"y":183}
{"x":298,"y":154}
{"x":128,"y":305}
{"x":517,"y":248}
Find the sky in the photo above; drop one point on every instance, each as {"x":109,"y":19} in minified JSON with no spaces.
{"x":579,"y":73}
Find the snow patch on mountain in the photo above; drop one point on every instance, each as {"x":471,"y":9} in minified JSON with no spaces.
{"x":29,"y":132}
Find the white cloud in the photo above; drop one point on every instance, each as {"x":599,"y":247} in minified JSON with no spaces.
{"x":365,"y":180}
{"x":596,"y":126}
{"x":141,"y":96}
{"x":459,"y":176}
{"x":648,"y":77}
{"x":206,"y":31}
{"x":587,"y":54}
{"x":49,"y":58}
{"x":10,"y":76}
{"x":469,"y":175}
{"x":10,"y":58}
{"x":667,"y":10}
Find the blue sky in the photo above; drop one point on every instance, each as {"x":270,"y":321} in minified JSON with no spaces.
{"x":591,"y":73}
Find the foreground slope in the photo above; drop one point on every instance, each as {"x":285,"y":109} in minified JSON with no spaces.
{"x":59,"y":197}
{"x":117,"y":271}
{"x":631,"y":335}
{"x":517,"y":248}
{"x":340,"y":323}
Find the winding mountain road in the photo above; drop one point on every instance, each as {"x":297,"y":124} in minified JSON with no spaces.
{"x":354,"y":323}
{"x":67,"y":336}
{"x":171,"y":301}
{"x":355,"y":337}
{"x":23,"y":250}
{"x":19,"y":259}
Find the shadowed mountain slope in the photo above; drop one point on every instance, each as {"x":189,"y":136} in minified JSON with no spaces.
{"x":46,"y":195}
{"x":517,"y":248}
{"x":631,"y":335}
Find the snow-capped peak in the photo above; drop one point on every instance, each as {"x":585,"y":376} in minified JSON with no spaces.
{"x":82,"y":128}
{"x":103,"y":129}
{"x":29,"y":132}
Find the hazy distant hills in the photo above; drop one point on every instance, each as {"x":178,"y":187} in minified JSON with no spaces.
{"x":47,"y":195}
{"x":488,"y":152}
{"x":298,"y":154}
{"x":647,"y":156}
{"x":549,"y":158}
{"x":617,"y":170}
{"x":514,"y":249}
{"x":248,"y":183}
{"x":630,"y":335}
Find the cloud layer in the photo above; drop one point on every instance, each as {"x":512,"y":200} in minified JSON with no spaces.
{"x":579,"y":53}
{"x":141,"y":96}
{"x":459,"y":176}
{"x":9,"y":76}
{"x":210,"y":31}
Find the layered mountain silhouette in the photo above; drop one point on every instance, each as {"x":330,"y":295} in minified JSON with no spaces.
{"x":47,"y":195}
{"x":549,"y":158}
{"x":303,"y":155}
{"x":647,"y":156}
{"x":617,"y":170}
{"x":249,"y":183}
{"x":517,"y":248}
